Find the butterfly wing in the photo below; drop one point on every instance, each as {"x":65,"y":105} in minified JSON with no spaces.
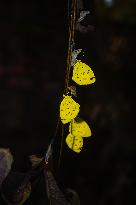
{"x":80,"y":128}
{"x":83,"y":74}
{"x":74,"y":142}
{"x":69,"y":109}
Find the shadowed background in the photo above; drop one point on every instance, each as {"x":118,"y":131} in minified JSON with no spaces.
{"x":33,"y":50}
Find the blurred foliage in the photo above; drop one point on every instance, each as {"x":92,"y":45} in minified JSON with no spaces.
{"x":121,"y":11}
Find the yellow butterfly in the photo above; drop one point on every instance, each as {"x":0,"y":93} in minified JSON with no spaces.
{"x":83,"y":74}
{"x":69,"y":109}
{"x":74,"y":142}
{"x":80,"y":128}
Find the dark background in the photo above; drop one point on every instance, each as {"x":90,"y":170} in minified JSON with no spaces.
{"x":33,"y":49}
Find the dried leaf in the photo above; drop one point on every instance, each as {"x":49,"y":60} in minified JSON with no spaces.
{"x":35,"y":160}
{"x":23,"y":193}
{"x":72,"y":197}
{"x":84,"y":29}
{"x":16,"y":189}
{"x":6,"y":160}
{"x":54,"y":194}
{"x":75,"y":53}
{"x":83,"y":15}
